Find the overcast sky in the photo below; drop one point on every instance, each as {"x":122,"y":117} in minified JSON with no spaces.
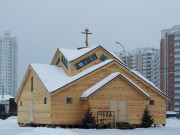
{"x":42,"y":26}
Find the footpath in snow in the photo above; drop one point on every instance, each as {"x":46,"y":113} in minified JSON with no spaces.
{"x":10,"y":127}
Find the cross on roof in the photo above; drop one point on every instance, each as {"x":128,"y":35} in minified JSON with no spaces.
{"x":86,"y":32}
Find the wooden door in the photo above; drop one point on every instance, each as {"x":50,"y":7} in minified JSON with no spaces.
{"x":119,"y":107}
{"x":122,"y":111}
{"x":31,"y":111}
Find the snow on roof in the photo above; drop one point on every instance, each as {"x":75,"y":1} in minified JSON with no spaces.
{"x":54,"y":77}
{"x":146,"y":80}
{"x":105,"y":81}
{"x":171,"y":112}
{"x":72,"y":54}
{"x":117,"y":58}
{"x":5,"y":97}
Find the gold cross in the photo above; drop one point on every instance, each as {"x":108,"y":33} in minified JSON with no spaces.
{"x":86,"y":32}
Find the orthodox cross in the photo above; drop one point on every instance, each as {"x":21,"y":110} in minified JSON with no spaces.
{"x":86,"y":32}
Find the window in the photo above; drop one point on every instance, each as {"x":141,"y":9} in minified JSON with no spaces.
{"x":171,"y":60}
{"x":177,"y":35}
{"x":86,"y":61}
{"x":69,"y":100}
{"x":58,"y":61}
{"x":171,"y":107}
{"x":31,"y":84}
{"x":65,"y":61}
{"x":171,"y":89}
{"x":21,"y":103}
{"x":171,"y":95}
{"x":177,"y":41}
{"x":177,"y":82}
{"x":44,"y":100}
{"x":151,"y":102}
{"x":170,"y":36}
{"x":103,"y":57}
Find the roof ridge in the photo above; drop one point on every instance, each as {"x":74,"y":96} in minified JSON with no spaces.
{"x":72,"y":54}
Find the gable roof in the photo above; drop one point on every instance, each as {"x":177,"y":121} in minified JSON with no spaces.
{"x":54,"y":77}
{"x":106,"y":80}
{"x":73,"y":54}
{"x":48,"y":73}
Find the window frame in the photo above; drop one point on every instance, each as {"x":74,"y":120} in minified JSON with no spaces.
{"x":86,"y":61}
{"x":45,"y":100}
{"x":151,"y":102}
{"x":32,"y":85}
{"x":58,"y":62}
{"x":65,"y":61}
{"x":69,"y":100}
{"x":103,"y":57}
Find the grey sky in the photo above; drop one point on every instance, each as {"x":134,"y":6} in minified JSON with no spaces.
{"x":41,"y":26}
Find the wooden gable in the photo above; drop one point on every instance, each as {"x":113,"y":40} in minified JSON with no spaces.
{"x":55,"y":58}
{"x":110,"y":96}
{"x":119,"y":85}
{"x":33,"y":92}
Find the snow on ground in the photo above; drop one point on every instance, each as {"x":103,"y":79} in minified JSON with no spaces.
{"x":10,"y":127}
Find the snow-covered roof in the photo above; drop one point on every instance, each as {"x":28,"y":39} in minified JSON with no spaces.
{"x":5,"y":97}
{"x":112,"y":53}
{"x":54,"y":77}
{"x":146,"y":80}
{"x":171,"y":112}
{"x":108,"y":79}
{"x":72,"y":54}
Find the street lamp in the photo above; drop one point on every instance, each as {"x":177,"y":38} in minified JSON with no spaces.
{"x":123,"y":50}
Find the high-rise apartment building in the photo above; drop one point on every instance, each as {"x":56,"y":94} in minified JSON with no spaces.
{"x":145,"y":61}
{"x":170,"y":66}
{"x":8,"y":64}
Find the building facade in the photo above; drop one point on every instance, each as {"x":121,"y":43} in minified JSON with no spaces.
{"x":8,"y":64}
{"x":60,"y":93}
{"x":145,"y":61}
{"x":170,"y":66}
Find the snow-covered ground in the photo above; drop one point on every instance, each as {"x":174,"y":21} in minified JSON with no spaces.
{"x":10,"y":127}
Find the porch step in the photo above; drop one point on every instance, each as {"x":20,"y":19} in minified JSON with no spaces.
{"x":124,"y":125}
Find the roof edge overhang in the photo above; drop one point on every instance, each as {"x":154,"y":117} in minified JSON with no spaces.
{"x":20,"y":88}
{"x":28,"y":70}
{"x":158,"y":91}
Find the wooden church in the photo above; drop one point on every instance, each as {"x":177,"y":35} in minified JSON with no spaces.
{"x":60,"y":93}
